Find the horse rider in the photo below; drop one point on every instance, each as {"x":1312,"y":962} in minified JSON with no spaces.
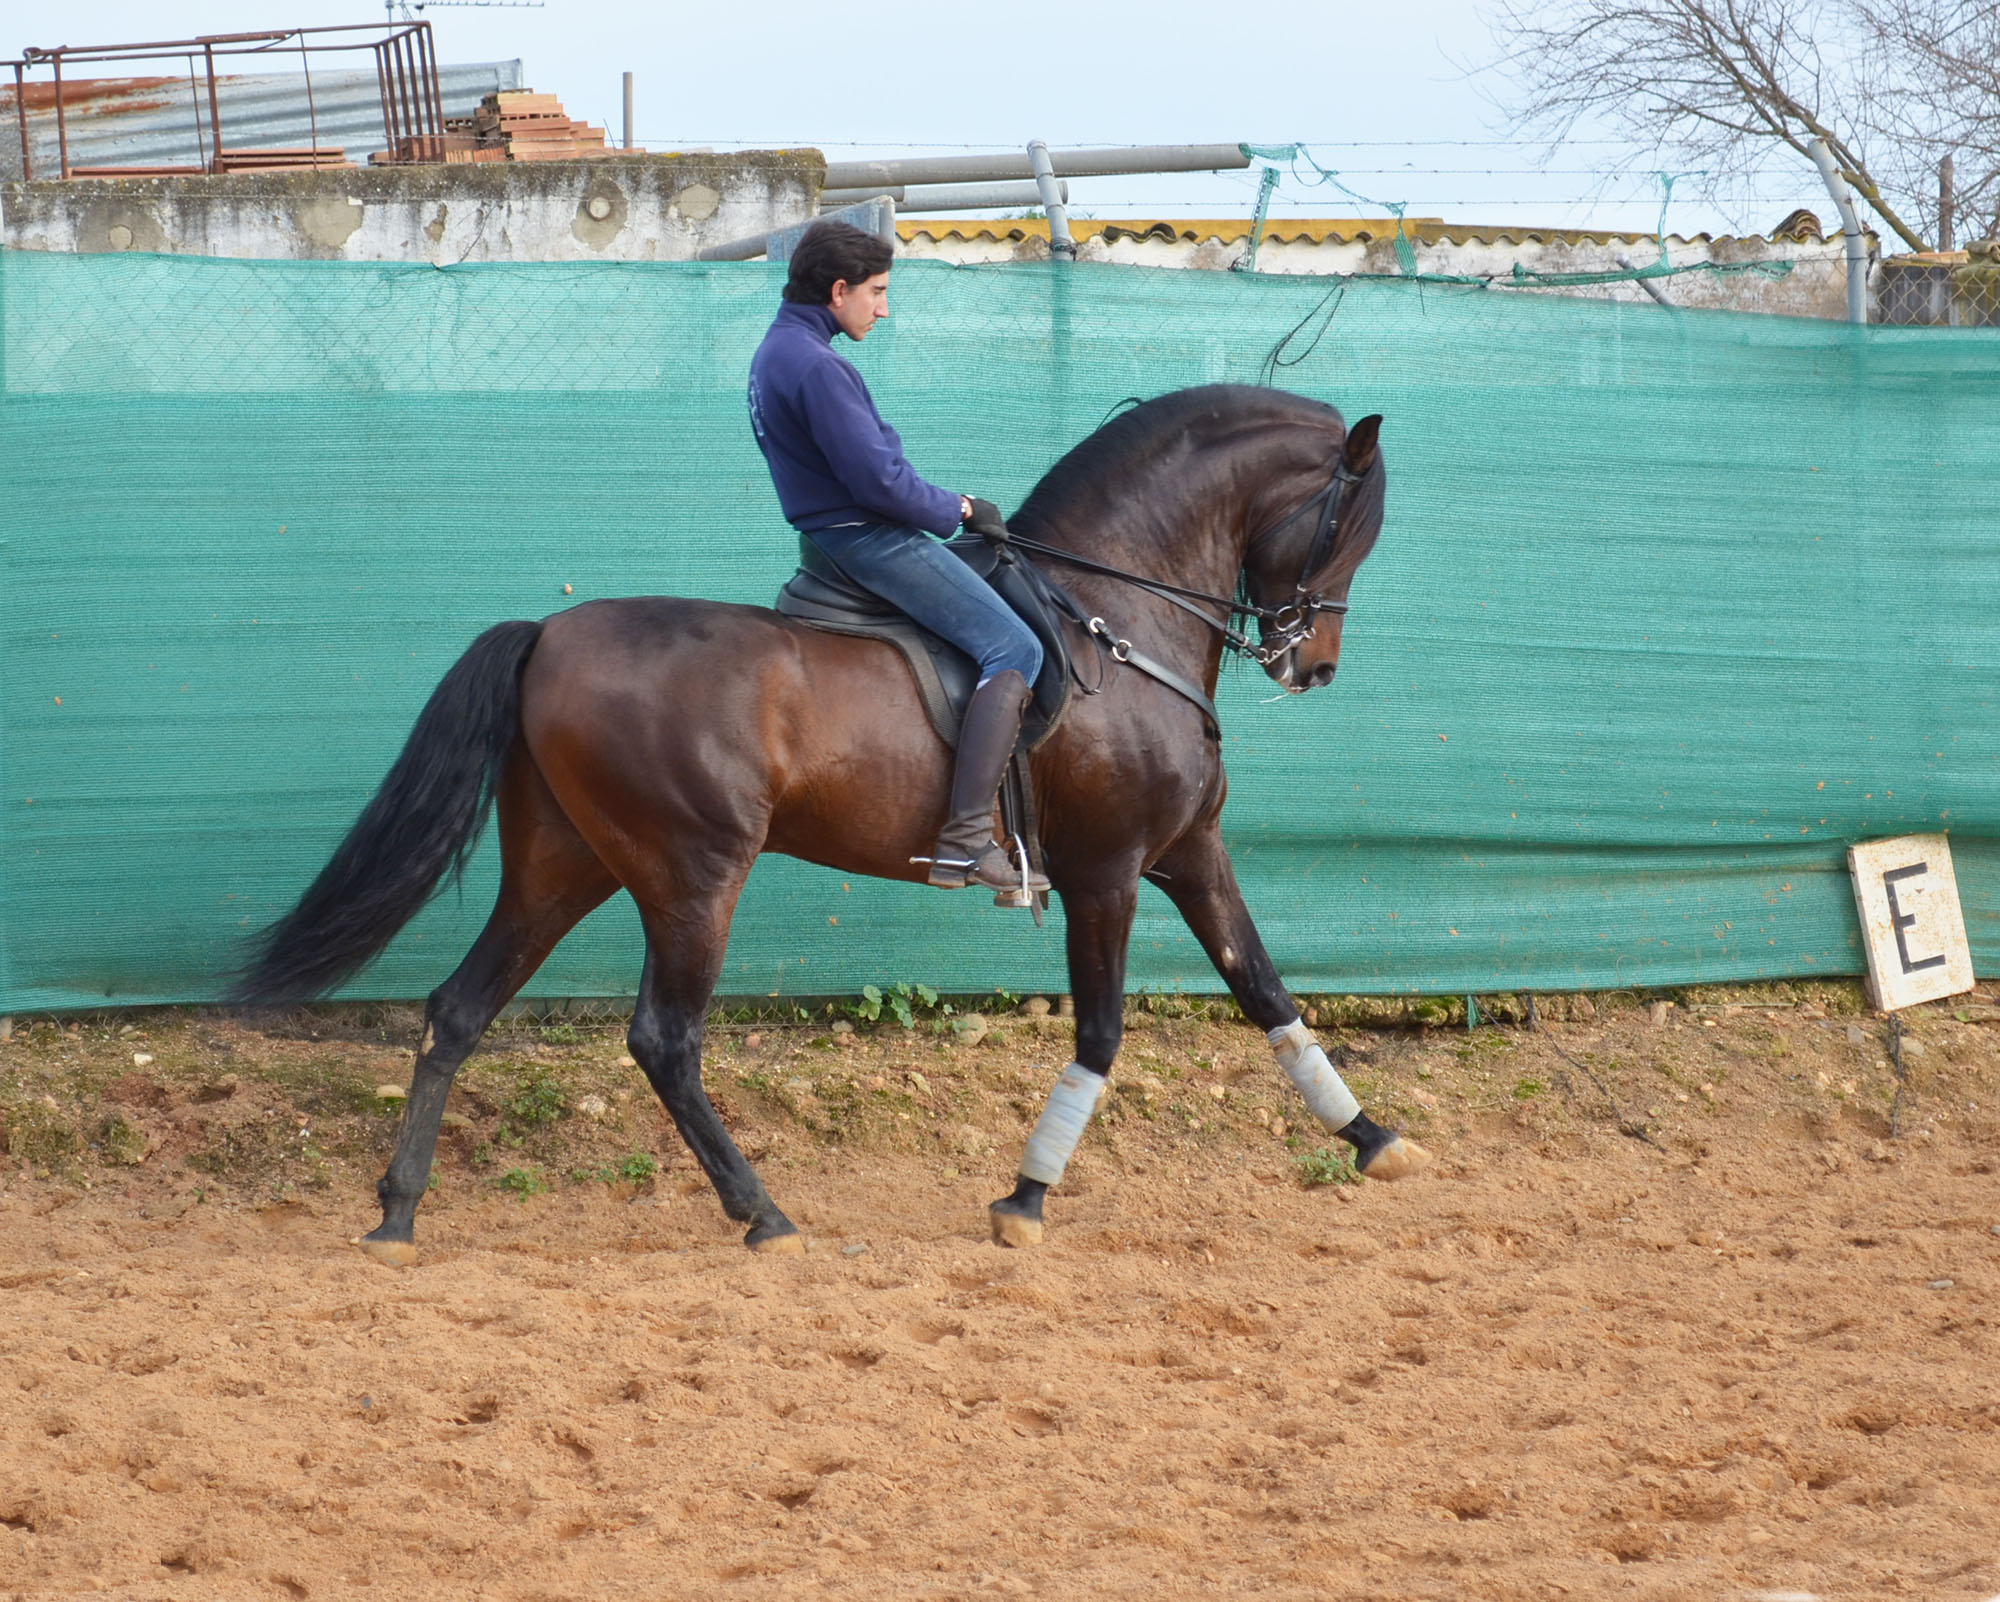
{"x":844,"y":484}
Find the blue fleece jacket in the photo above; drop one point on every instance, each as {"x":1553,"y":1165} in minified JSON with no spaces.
{"x":831,"y":456}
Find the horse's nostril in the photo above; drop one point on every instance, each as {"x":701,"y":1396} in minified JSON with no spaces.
{"x":1322,"y":676}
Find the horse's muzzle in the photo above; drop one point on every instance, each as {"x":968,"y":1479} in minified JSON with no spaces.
{"x":1285,"y":672}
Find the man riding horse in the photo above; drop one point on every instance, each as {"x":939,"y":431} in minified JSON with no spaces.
{"x":843,"y":483}
{"x":659,"y":745}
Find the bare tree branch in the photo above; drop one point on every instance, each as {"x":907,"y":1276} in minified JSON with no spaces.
{"x":1892,"y":86}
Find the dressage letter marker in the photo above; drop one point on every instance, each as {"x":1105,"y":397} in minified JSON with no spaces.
{"x":1911,"y":924}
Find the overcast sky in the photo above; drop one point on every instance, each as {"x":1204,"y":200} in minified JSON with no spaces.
{"x":1375,"y":91}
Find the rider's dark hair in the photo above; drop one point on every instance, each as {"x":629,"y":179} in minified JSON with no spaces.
{"x":833,"y":252}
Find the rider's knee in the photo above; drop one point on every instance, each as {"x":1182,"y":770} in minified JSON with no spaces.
{"x":1022,"y":656}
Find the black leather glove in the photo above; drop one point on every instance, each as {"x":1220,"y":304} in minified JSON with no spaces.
{"x":986,"y":519}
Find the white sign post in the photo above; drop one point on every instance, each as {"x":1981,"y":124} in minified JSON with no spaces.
{"x":1911,"y":924}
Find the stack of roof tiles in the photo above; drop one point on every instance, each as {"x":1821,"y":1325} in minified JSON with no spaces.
{"x":520,"y":125}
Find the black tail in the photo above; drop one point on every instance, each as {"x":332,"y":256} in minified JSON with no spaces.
{"x":411,"y":840}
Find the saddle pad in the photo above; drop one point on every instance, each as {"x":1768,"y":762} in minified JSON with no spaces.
{"x":822,"y":597}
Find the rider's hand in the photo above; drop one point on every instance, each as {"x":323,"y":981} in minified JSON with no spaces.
{"x":985,"y":519}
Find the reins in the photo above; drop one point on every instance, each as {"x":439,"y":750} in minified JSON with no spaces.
{"x":1290,"y":624}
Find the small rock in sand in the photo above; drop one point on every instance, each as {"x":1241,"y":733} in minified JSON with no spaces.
{"x":856,"y":1250}
{"x":1855,"y":1035}
{"x":842,"y":1027}
{"x":1912,"y":1049}
{"x":752,"y":1042}
{"x":1942,"y":1284}
{"x":592,"y":1107}
{"x":627,"y":1061}
{"x":971,"y":1028}
{"x":1656,"y":1014}
{"x":1036,"y":1006}
{"x":391,"y":1093}
{"x":142,"y":1059}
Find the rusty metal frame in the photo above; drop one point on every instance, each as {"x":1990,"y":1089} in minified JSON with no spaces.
{"x":405,"y":66}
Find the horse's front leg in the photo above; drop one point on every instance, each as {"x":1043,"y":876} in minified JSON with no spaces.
{"x":1198,"y":879}
{"x":1100,"y":927}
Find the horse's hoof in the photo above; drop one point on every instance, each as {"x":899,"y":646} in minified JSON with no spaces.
{"x":782,"y":1238}
{"x":389,"y":1253}
{"x":1012,"y":1228}
{"x":1397,"y":1160}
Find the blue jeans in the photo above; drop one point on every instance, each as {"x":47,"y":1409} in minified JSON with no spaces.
{"x":920,"y":578}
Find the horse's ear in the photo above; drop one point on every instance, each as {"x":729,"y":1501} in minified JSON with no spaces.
{"x":1359,"y":453}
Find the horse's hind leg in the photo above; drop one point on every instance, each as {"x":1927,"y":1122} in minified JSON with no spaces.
{"x":1099,"y":925}
{"x":549,"y":880}
{"x":1198,"y":879}
{"x":683,"y":960}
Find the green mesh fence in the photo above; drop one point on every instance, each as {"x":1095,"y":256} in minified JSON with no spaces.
{"x":1668,"y":607}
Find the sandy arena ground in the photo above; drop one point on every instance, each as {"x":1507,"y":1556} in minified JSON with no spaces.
{"x":1753,"y":1358}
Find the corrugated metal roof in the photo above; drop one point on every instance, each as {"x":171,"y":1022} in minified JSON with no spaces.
{"x":1291,"y":230}
{"x":164,"y":121}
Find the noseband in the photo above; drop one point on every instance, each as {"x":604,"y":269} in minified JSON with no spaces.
{"x":1284,"y":628}
{"x":1289,"y":626}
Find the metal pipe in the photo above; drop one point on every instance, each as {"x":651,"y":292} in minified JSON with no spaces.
{"x":1061,"y":246}
{"x":62,"y":128}
{"x":436,"y":89}
{"x":1850,"y":229}
{"x":406,"y":91}
{"x":194,"y":105}
{"x":877,"y":216}
{"x":214,"y":113}
{"x":381,"y":53}
{"x":879,"y":177}
{"x":945,"y":197}
{"x":21,"y":115}
{"x":628,"y":111}
{"x":312,"y":111}
{"x":1647,"y":284}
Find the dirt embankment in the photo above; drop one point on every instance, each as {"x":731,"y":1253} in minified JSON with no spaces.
{"x":1745,"y":1346}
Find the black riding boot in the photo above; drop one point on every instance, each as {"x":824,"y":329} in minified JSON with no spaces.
{"x":966,"y":852}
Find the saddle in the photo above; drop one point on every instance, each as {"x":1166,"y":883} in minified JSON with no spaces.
{"x":822,"y":597}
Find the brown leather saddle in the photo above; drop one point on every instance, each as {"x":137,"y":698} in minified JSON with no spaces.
{"x":820,"y":596}
{"x":823,"y":597}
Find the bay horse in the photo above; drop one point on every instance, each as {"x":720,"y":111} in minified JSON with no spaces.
{"x":660,"y":745}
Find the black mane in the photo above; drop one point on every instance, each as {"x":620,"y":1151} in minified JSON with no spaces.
{"x":1122,"y":446}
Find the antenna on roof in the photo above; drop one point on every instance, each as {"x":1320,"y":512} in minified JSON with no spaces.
{"x":410,"y":8}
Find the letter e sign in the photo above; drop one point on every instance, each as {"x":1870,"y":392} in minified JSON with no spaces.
{"x":1907,"y":897}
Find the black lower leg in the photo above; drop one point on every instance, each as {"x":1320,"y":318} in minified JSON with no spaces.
{"x":449,"y":1036}
{"x":1024,"y":1201}
{"x":1368,"y":1138}
{"x":666,"y":1039}
{"x":1099,"y":927}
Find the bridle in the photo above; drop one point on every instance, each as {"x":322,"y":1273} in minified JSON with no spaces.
{"x":1284,"y":628}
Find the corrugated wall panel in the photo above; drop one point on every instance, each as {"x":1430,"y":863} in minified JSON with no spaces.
{"x":158,"y":121}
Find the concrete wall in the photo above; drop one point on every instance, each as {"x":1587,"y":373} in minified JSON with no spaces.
{"x":1813,"y":282}
{"x":619,"y":208}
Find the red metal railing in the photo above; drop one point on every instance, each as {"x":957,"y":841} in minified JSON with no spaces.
{"x":405,"y":67}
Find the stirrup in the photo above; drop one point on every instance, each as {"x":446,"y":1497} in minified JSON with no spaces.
{"x":1022,"y":896}
{"x":947,"y":873}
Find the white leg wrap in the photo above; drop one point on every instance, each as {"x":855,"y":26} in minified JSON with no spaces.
{"x":1061,"y":1125}
{"x":1326,"y":1093}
